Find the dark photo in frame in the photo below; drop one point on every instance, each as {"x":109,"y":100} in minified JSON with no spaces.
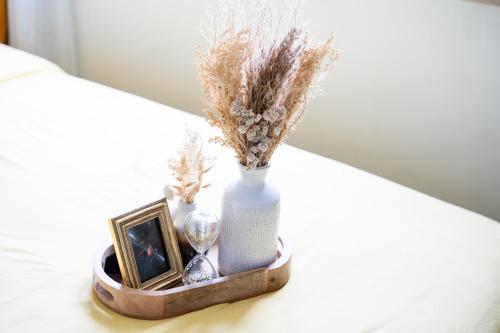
{"x":146,"y":247}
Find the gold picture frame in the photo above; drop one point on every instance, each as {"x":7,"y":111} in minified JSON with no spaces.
{"x":147,"y":261}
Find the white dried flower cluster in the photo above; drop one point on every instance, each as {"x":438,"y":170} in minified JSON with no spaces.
{"x":257,"y":129}
{"x":188,"y":167}
{"x":274,"y":114}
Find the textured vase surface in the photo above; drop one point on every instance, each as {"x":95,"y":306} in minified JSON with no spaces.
{"x":248,"y":236}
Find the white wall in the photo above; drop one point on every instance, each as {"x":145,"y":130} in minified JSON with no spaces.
{"x":414,"y":98}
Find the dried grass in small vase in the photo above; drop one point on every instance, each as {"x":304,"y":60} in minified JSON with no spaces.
{"x":189,"y":167}
{"x":257,"y":75}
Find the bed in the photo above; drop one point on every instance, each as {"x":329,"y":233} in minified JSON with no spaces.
{"x":369,"y":255}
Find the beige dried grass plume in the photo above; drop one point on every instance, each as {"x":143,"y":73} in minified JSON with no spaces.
{"x":189,"y":167}
{"x":257,"y":75}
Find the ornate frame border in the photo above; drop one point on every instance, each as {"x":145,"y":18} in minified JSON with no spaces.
{"x":119,"y":230}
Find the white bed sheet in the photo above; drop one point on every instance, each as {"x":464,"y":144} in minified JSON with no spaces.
{"x":369,"y":255}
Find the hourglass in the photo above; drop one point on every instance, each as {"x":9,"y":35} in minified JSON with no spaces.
{"x":201,"y":230}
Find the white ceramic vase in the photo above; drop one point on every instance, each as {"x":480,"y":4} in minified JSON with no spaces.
{"x":178,"y":214}
{"x":249,"y":222}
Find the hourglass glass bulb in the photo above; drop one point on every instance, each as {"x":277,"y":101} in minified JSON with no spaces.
{"x":199,"y":269}
{"x":201,"y":230}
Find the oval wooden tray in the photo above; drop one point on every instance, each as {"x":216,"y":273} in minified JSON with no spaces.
{"x":161,"y":304}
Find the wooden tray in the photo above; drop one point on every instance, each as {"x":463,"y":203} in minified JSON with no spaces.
{"x":161,"y":304}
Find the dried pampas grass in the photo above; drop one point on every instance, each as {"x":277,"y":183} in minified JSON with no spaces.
{"x":189,"y":167}
{"x":257,"y":75}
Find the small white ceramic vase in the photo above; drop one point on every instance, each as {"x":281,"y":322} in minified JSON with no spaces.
{"x":248,"y":236}
{"x":179,"y":213}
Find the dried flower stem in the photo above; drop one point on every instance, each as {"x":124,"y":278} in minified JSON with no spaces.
{"x":256,"y":83}
{"x":189,"y":167}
